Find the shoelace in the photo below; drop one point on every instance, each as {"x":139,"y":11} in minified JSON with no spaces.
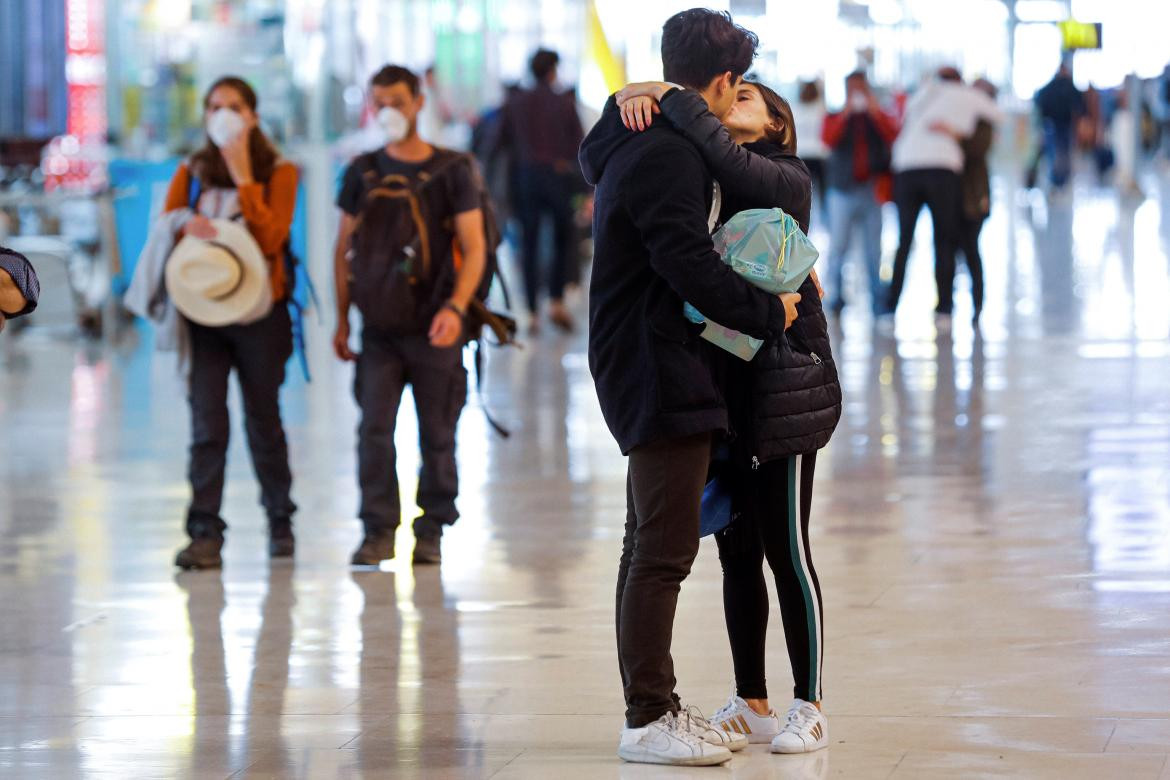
{"x":728,"y":708}
{"x":678,"y":728}
{"x":800,"y":719}
{"x":695,"y":716}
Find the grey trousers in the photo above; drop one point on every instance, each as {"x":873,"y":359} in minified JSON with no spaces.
{"x":664,"y":489}
{"x":386,"y":365}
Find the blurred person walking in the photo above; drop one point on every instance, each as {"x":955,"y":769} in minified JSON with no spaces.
{"x":19,"y":287}
{"x":1059,"y":104}
{"x":1161,"y":103}
{"x":975,"y":191}
{"x":927,"y":163}
{"x":658,"y":395}
{"x":1124,"y":133}
{"x":238,"y":175}
{"x":809,"y":113}
{"x":411,"y":255}
{"x":859,"y":139}
{"x":541,"y":132}
{"x":783,"y":406}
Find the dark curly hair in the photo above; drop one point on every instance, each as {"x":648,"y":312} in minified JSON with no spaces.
{"x":208,"y":164}
{"x":700,"y":44}
{"x":390,"y":75}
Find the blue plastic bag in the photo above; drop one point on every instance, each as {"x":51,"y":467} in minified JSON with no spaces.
{"x":768,"y":248}
{"x":715,"y":510}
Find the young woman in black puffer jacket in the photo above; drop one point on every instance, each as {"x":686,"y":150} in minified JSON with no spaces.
{"x":784,"y":405}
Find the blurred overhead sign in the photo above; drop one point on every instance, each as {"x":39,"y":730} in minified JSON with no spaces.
{"x":1080,"y":35}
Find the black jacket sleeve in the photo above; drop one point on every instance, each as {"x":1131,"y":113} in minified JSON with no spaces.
{"x":665,"y":196}
{"x":19,"y":273}
{"x":782,"y":181}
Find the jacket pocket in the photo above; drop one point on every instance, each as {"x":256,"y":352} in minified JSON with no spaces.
{"x":683,"y":377}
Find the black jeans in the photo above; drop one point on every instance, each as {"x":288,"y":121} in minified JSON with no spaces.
{"x":439,"y":385}
{"x":258,"y":352}
{"x":664,"y":487}
{"x":969,"y":230}
{"x":938,"y":190}
{"x":539,"y":192}
{"x":772,"y":507}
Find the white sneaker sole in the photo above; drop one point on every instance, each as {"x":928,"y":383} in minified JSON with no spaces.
{"x":636,"y":755}
{"x":806,"y":748}
{"x":755,"y":738}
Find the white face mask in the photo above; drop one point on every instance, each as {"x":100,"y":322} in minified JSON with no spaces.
{"x":224,"y":125}
{"x":394,"y":124}
{"x":859,"y":102}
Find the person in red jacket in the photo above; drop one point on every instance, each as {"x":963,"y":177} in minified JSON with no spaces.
{"x":859,"y":138}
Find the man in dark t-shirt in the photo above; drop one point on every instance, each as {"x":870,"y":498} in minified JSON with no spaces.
{"x":454,"y":192}
{"x":431,"y":359}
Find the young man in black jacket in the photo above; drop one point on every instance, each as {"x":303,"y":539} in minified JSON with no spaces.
{"x":653,"y":250}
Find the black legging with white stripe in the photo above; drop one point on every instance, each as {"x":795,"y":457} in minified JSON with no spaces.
{"x":771,"y":507}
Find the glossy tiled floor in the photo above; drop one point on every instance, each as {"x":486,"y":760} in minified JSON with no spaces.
{"x":992,"y":528}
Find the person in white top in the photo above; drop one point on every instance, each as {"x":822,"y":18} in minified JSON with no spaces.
{"x":927,"y":161}
{"x":808,"y":113}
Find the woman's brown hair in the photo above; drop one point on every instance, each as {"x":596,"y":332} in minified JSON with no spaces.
{"x":208,"y":164}
{"x":781,"y":113}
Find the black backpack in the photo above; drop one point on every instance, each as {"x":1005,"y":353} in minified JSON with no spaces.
{"x":394,"y":281}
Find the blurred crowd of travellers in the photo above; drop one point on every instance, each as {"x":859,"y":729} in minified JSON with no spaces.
{"x":449,"y":212}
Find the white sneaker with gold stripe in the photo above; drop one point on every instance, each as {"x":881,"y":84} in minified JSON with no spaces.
{"x":710,"y":733}
{"x":806,"y":729}
{"x":737,"y":717}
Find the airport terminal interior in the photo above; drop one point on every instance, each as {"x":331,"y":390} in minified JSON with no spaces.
{"x":991,"y":519}
{"x":990,"y":527}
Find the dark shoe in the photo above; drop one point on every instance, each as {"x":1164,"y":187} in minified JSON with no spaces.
{"x":201,"y":553}
{"x":375,"y":549}
{"x":427,"y":550}
{"x":281,"y":542}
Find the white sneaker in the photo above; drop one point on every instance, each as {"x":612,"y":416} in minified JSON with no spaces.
{"x":737,"y":717}
{"x":805,"y":730}
{"x":705,"y":730}
{"x":669,"y":741}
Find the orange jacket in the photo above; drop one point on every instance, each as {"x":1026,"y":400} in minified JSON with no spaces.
{"x":268,"y":212}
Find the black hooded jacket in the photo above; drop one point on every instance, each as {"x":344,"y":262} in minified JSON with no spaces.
{"x":652,"y":251}
{"x":787,"y":400}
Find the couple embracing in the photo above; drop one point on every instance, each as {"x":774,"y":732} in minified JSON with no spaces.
{"x":669,"y":161}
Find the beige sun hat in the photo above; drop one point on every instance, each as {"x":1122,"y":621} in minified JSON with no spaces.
{"x":220,"y":281}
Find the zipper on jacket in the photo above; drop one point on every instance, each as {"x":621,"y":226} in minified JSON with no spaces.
{"x":816,"y":358}
{"x":755,"y":463}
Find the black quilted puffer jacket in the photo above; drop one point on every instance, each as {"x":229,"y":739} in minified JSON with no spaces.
{"x":787,"y":401}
